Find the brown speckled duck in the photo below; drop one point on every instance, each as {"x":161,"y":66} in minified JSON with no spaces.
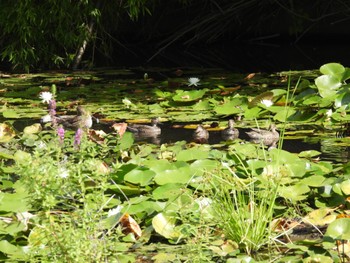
{"x":142,"y":130}
{"x":82,"y":120}
{"x":200,"y":135}
{"x":230,"y":133}
{"x":268,"y":137}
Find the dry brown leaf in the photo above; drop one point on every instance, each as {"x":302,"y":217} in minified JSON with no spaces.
{"x":130,"y":226}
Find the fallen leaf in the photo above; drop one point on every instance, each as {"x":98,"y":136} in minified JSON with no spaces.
{"x":130,"y":226}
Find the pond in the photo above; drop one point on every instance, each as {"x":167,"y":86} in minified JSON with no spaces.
{"x":168,"y":198}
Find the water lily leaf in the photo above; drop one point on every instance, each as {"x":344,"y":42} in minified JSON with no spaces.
{"x":148,"y":207}
{"x":333,"y":69}
{"x":6,"y":133}
{"x":11,"y":228}
{"x":168,"y":191}
{"x":202,"y":105}
{"x":13,"y":202}
{"x":327,"y":85}
{"x":317,"y":258}
{"x":141,"y":176}
{"x":312,"y":100}
{"x":320,"y":217}
{"x":178,"y":172}
{"x":165,"y":226}
{"x":165,"y":257}
{"x":284,"y":114}
{"x":32,"y":129}
{"x":339,"y":229}
{"x":205,"y":165}
{"x":192,"y":154}
{"x":10,"y":114}
{"x":342,"y":99}
{"x":22,"y":157}
{"x":345,"y":187}
{"x":295,"y":192}
{"x":126,"y":141}
{"x":252,"y":113}
{"x":309,"y":154}
{"x":314,"y":180}
{"x":13,"y":251}
{"x":233,"y":106}
{"x":189,"y":95}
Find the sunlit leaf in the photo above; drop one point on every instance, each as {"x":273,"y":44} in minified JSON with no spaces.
{"x":327,"y":85}
{"x":295,"y":192}
{"x":6,"y":132}
{"x":320,"y":217}
{"x":140,"y":176}
{"x":10,"y":114}
{"x":339,"y":229}
{"x":165,"y":226}
{"x":332,"y":69}
{"x":33,"y":129}
{"x":189,"y":95}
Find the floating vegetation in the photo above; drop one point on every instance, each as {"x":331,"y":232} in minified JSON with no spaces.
{"x":94,"y":193}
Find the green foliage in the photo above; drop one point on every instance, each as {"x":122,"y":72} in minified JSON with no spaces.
{"x":49,"y":33}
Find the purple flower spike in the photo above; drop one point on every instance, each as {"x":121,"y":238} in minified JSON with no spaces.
{"x":77,"y":137}
{"x":60,"y":132}
{"x":52,"y":104}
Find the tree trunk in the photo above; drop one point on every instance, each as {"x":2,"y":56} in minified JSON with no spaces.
{"x":81,"y":50}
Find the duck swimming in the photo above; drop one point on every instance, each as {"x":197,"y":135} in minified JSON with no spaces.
{"x":268,"y":137}
{"x":82,"y":120}
{"x":230,"y":133}
{"x":142,"y":130}
{"x":200,"y":135}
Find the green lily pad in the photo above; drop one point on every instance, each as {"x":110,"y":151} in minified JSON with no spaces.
{"x":345,"y":187}
{"x":233,"y":106}
{"x":10,"y":114}
{"x":328,"y":85}
{"x":295,"y":192}
{"x":165,"y":226}
{"x":332,"y":69}
{"x":168,"y":191}
{"x":189,"y":95}
{"x":141,"y":176}
{"x":339,"y":229}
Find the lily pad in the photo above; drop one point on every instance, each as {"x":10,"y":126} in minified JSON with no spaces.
{"x":6,"y":133}
{"x":339,"y":229}
{"x":165,"y":226}
{"x":189,"y":95}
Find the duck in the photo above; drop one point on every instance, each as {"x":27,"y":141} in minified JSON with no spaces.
{"x":142,"y":130}
{"x":230,"y":133}
{"x":268,"y":137}
{"x":82,"y":120}
{"x":200,"y":135}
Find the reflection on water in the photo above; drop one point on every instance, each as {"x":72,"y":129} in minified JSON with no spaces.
{"x":335,"y":149}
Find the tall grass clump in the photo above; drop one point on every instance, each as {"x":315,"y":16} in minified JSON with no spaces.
{"x":244,"y":209}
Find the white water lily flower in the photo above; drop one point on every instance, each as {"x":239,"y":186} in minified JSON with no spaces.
{"x":46,"y":96}
{"x":46,"y":118}
{"x":127,"y":102}
{"x":115,"y":211}
{"x":193,"y":82}
{"x":267,"y":103}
